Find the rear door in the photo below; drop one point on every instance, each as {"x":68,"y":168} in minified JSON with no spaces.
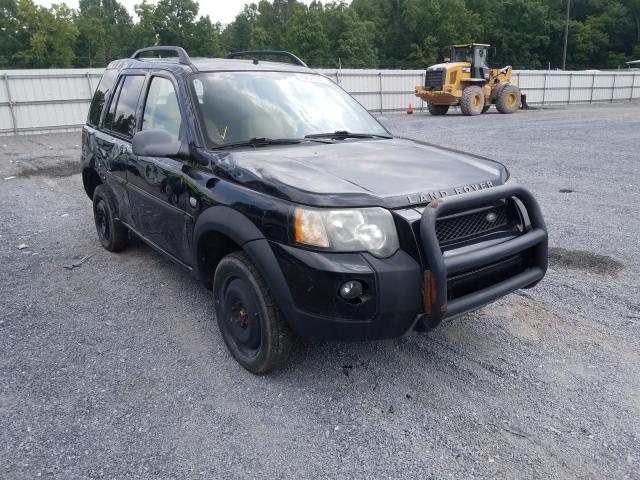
{"x":156,"y":185}
{"x":113,"y":139}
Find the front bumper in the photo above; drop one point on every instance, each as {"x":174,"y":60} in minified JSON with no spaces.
{"x":400,"y":292}
{"x":391,"y":302}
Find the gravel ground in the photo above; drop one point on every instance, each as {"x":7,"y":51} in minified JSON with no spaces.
{"x":112,"y":369}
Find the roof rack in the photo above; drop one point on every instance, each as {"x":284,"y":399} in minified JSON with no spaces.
{"x":183,"y":58}
{"x":277,"y":53}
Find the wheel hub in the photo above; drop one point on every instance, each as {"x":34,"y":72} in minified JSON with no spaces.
{"x":101,"y":220}
{"x":240,"y":310}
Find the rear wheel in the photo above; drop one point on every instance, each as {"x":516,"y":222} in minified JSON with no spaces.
{"x":251,"y":325}
{"x":472,"y":100}
{"x":437,"y":109}
{"x":112,"y":234}
{"x":508,"y":99}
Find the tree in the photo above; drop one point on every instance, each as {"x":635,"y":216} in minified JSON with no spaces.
{"x":37,"y":36}
{"x":304,"y":36}
{"x":352,"y":40}
{"x":176,"y":22}
{"x":105,"y":29}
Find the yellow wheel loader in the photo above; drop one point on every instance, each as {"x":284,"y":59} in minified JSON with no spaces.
{"x":466,"y":81}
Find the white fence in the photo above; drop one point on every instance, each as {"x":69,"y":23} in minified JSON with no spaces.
{"x":55,"y":100}
{"x":390,"y":90}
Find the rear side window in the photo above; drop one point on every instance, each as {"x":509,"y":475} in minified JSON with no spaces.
{"x":121,"y":117}
{"x":161,"y":110}
{"x":97,"y":103}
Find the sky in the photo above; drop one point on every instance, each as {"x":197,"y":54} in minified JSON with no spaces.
{"x":223,"y":11}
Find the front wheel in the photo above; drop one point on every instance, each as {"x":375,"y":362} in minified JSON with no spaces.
{"x":251,"y":325}
{"x":472,"y":100}
{"x":437,"y":109}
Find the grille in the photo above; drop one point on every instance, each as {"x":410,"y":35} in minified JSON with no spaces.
{"x":466,"y":225}
{"x":434,"y":78}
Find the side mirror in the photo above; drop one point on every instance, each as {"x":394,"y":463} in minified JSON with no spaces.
{"x":158,"y":143}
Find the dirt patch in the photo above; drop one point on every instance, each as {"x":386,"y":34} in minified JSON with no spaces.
{"x":62,"y":169}
{"x":583,"y":260}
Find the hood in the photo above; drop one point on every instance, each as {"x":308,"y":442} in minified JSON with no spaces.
{"x":391,"y":173}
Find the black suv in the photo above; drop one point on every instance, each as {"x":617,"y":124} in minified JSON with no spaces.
{"x":300,"y":211}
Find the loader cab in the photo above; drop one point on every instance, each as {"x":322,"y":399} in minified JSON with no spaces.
{"x":477,"y":54}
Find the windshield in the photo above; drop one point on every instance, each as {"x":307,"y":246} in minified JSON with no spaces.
{"x":240,"y":106}
{"x":461,"y":54}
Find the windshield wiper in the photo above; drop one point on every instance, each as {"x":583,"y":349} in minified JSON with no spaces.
{"x":341,"y":134}
{"x":259,"y":141}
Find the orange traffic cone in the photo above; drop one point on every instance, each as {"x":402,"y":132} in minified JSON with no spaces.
{"x":410,"y":110}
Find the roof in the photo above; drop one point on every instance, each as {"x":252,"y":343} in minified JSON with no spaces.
{"x":181,"y":62}
{"x":633,"y":62}
{"x":207,"y":65}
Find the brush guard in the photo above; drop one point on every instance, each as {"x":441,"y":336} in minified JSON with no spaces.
{"x":436,"y":307}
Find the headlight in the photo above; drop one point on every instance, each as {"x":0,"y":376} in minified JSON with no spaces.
{"x":355,"y":230}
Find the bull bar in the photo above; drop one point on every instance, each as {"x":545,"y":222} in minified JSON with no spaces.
{"x":435,"y":279}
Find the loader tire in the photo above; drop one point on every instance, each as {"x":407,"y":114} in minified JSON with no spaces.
{"x":437,"y":109}
{"x":472,"y":100}
{"x":495,"y":93}
{"x":508,"y":100}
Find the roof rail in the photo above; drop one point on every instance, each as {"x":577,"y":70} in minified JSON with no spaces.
{"x":183,"y":58}
{"x":277,"y":53}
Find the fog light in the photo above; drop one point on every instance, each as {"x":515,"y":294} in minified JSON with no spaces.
{"x":351,"y":289}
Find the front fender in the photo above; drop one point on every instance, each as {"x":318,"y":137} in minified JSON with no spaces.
{"x":240,"y":229}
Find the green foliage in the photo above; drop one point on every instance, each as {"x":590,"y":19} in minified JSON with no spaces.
{"x":34,"y":36}
{"x":362,"y":34}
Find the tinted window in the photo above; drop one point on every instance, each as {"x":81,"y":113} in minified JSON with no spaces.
{"x":123,"y":119}
{"x":105,"y":85}
{"x":161,"y":111}
{"x":108,"y":118}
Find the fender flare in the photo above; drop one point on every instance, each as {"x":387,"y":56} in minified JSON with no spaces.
{"x":238,"y":227}
{"x":225,"y":220}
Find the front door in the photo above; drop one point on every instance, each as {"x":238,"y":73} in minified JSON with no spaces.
{"x":156,"y":185}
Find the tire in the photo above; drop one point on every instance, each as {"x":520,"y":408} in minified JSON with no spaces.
{"x":111,"y":232}
{"x":437,"y":109}
{"x":486,"y":108}
{"x":472,"y":100}
{"x":249,"y":320}
{"x":495,"y":93}
{"x":508,"y":99}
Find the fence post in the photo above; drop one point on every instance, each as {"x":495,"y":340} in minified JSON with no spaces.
{"x":613,"y":88}
{"x":90,"y":86}
{"x":570,"y":85}
{"x":633,"y":82}
{"x":380,"y":89}
{"x":544,"y":88}
{"x":11,"y":104}
{"x":593,"y":82}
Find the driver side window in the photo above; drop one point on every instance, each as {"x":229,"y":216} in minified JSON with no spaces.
{"x":161,"y":110}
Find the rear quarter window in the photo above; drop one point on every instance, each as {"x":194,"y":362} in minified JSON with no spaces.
{"x":97,"y":103}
